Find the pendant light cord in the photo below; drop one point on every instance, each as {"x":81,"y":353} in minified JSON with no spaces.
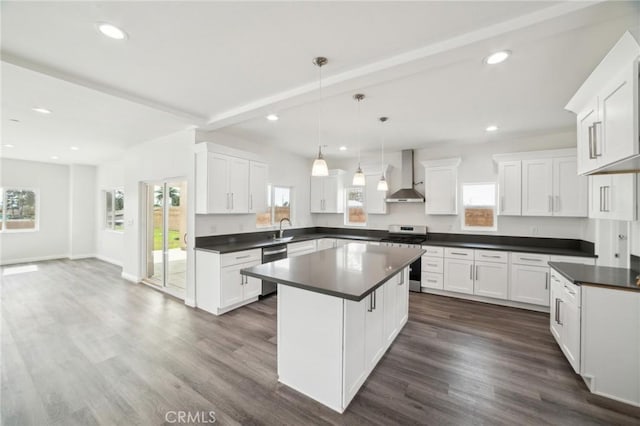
{"x":319,"y":107}
{"x":359,"y":132}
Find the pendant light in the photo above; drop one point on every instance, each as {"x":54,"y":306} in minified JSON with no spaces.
{"x":358,"y":177}
{"x":382,"y":183}
{"x":319,"y":164}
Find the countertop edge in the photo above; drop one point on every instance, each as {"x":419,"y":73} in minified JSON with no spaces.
{"x":557,"y":266}
{"x":334,"y":293}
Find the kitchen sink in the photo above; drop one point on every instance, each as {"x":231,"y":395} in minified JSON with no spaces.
{"x":283,"y":240}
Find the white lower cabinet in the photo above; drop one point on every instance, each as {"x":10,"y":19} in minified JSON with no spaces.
{"x":326,"y":243}
{"x":458,"y":275}
{"x":301,"y":248}
{"x":529,"y":284}
{"x":219,"y":285}
{"x":491,"y":279}
{"x":565,"y":318}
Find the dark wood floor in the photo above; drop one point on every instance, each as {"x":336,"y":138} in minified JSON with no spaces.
{"x":82,"y":346}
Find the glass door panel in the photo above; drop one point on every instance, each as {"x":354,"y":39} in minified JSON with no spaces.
{"x":155,"y":233}
{"x":176,"y":234}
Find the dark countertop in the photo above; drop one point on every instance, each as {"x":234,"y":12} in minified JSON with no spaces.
{"x":615,"y":278}
{"x":351,"y":272}
{"x":511,"y":247}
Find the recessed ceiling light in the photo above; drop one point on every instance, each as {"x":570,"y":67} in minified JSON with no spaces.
{"x":74,"y":148}
{"x":343,"y":148}
{"x":111,"y":31}
{"x":491,"y":128}
{"x":8,"y":145}
{"x":41,"y":110}
{"x":272,"y":117}
{"x":496,"y":58}
{"x":54,"y":157}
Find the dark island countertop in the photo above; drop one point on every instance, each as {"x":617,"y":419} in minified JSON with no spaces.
{"x":615,"y":278}
{"x":351,"y":272}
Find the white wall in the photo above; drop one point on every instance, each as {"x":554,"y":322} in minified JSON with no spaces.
{"x":284,"y":169}
{"x":51,"y":240}
{"x":82,"y":211}
{"x":109,"y":243}
{"x":635,"y":238}
{"x":477,"y":166}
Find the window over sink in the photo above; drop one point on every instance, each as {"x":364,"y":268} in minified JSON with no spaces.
{"x":279,"y":201}
{"x":479,"y":207}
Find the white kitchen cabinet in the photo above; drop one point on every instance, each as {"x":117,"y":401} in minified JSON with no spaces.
{"x":390,"y":308}
{"x":570,"y":314}
{"x":326,"y":243}
{"x":458,"y":275}
{"x":301,"y":248}
{"x":219,"y":285}
{"x":569,"y":189}
{"x":491,"y":279}
{"x":607,"y":111}
{"x":402,"y":299}
{"x":510,"y":188}
{"x":375,"y":339}
{"x":238,"y":185}
{"x":441,"y":186}
{"x":529,"y":284}
{"x":614,"y":197}
{"x":375,"y":201}
{"x":258,"y":186}
{"x":327,"y":193}
{"x":537,"y":187}
{"x":555,"y":300}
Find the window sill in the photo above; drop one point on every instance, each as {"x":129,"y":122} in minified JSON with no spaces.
{"x":18,"y":231}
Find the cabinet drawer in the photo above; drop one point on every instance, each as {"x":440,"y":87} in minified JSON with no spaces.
{"x":240,"y":257}
{"x":529,"y":259}
{"x":433,"y":251}
{"x":458,"y":253}
{"x":573,"y":259}
{"x":492,"y":256}
{"x":293,"y":248}
{"x":431,"y":280}
{"x":432,"y":264}
{"x":571,"y":293}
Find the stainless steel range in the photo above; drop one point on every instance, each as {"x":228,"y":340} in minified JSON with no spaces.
{"x":408,"y":236}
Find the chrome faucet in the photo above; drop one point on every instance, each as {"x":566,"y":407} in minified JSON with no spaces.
{"x":282,"y":220}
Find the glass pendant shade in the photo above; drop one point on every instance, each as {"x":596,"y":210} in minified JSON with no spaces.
{"x":358,"y":178}
{"x":382,"y":184}
{"x":319,"y":167}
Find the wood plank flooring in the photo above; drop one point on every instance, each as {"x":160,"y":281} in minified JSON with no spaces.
{"x":82,"y":346}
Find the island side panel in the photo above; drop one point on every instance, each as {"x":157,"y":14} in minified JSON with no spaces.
{"x":310,"y":327}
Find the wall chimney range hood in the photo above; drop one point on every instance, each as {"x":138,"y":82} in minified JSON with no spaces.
{"x":406,"y":194}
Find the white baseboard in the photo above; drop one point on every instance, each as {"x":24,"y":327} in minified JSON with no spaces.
{"x":130,"y":277}
{"x":82,"y":256}
{"x":190,"y":302}
{"x":109,"y":260}
{"x":33,"y":259}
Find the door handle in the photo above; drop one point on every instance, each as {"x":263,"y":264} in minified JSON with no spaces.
{"x":476,"y":277}
{"x":370,"y":309}
{"x":558,"y":311}
{"x":595,"y":139}
{"x":546,"y":280}
{"x":591,"y":150}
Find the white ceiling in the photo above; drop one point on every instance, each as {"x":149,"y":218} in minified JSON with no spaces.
{"x":222,"y":65}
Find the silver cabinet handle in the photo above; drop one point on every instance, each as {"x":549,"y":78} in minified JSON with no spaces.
{"x":476,"y":277}
{"x":558,"y":311}
{"x":607,"y":198}
{"x":432,"y":264}
{"x":269,"y":253}
{"x":530,"y":259}
{"x":596,"y":153}
{"x":458,"y":253}
{"x":601,"y":197}
{"x":490,"y":257}
{"x":592,"y":155}
{"x":573,"y":293}
{"x":243,"y":257}
{"x":546,"y":280}
{"x":375,"y":299}
{"x":370,"y":309}
{"x":431,"y":281}
{"x":550,"y":203}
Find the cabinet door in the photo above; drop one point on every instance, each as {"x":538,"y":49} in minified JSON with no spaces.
{"x":326,"y":243}
{"x":570,"y":314}
{"x":587,"y":159}
{"x":491,"y":279}
{"x":355,"y":358}
{"x":231,"y":285}
{"x":530,"y":284}
{"x":441,"y":187}
{"x":218,"y":198}
{"x":555,"y":300}
{"x":374,"y":328}
{"x":402,"y":300}
{"x":597,"y":183}
{"x":239,"y":185}
{"x":617,"y":135}
{"x":333,"y":194}
{"x":316,"y":196}
{"x":391,"y":308}
{"x":537,"y":187}
{"x":458,"y":275}
{"x":258,"y":178}
{"x":252,"y":286}
{"x":569,"y":189}
{"x":374,"y":199}
{"x":620,"y":197}
{"x":510,"y":188}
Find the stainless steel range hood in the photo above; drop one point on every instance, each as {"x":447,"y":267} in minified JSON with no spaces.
{"x":407,"y":194}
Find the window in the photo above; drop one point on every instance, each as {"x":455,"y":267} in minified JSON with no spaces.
{"x":278,"y":206}
{"x":355,"y":213}
{"x":19,"y":210}
{"x":114,"y":210}
{"x":479,"y":201}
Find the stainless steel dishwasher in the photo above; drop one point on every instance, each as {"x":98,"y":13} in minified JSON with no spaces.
{"x":271,"y":254}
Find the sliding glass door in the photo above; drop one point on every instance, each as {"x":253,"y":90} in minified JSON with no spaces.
{"x":166,"y":232}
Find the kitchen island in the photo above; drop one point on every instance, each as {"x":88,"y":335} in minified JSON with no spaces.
{"x":338,"y":312}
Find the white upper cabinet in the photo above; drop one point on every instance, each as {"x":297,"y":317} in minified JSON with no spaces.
{"x":229,"y":184}
{"x":375,"y":201}
{"x":327,"y":193}
{"x":607,"y":112}
{"x":569,"y":189}
{"x":614,"y":197}
{"x":537,"y":187}
{"x":441,"y":186}
{"x":258,"y":178}
{"x":510,"y":188}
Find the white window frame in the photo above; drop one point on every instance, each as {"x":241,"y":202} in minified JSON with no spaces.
{"x":3,"y":192}
{"x":493,"y":228}
{"x":105,"y":226}
{"x":364,"y":207}
{"x":271,"y":192}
